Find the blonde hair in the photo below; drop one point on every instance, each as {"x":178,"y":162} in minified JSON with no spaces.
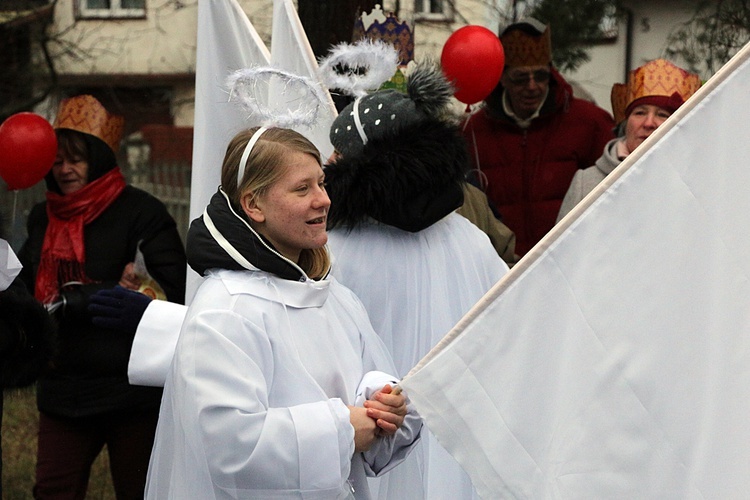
{"x":263,"y":169}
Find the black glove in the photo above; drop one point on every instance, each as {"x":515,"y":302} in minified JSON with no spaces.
{"x":118,"y":308}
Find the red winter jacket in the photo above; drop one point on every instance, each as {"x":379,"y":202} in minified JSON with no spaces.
{"x":528,"y":171}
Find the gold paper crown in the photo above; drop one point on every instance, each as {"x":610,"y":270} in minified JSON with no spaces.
{"x":657,"y":78}
{"x":619,"y":98}
{"x":525,"y":49}
{"x":388,"y":28}
{"x":85,"y":114}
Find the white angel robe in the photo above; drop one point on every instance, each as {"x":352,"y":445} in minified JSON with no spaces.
{"x":255,"y":403}
{"x":416,"y":287}
{"x":154,"y":343}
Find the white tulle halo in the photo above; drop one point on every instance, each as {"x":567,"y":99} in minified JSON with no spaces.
{"x":276,"y":97}
{"x":359,"y":68}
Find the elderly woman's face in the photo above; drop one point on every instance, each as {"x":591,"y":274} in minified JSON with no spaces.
{"x":71,"y":174}
{"x":641,"y":123}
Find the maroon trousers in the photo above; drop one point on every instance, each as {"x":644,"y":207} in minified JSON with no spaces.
{"x":69,"y":446}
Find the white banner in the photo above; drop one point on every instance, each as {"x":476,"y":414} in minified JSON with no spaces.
{"x":290,"y":50}
{"x":613,"y":361}
{"x":227,"y":41}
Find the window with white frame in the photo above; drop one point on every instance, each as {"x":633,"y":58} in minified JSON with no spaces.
{"x":433,"y":10}
{"x":111,"y":8}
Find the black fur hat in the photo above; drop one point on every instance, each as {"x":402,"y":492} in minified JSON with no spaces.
{"x":403,"y":160}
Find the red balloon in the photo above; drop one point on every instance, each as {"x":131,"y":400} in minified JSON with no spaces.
{"x":28,"y":147}
{"x":473,"y":60}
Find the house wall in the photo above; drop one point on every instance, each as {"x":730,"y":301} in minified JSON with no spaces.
{"x":156,"y":52}
{"x":651,"y":24}
{"x":163,"y":44}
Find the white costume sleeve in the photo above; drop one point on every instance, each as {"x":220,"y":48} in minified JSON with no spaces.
{"x":154,"y":343}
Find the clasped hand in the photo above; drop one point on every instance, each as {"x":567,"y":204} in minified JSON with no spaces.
{"x":382,"y":415}
{"x":387,"y":409}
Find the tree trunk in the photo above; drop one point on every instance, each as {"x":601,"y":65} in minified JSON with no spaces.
{"x":328,"y":22}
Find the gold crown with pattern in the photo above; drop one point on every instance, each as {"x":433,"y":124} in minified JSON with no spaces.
{"x":657,"y":78}
{"x":527,"y":43}
{"x":85,"y":114}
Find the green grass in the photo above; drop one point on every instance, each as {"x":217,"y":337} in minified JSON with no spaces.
{"x":19,"y":432}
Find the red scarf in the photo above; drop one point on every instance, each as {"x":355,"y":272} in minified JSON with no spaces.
{"x":63,"y":254}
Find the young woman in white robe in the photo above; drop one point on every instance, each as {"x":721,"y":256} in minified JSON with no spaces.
{"x":279,"y":387}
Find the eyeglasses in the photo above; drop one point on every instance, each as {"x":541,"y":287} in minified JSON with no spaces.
{"x":523,"y":79}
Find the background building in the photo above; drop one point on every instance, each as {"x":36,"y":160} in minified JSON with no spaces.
{"x":138,"y":58}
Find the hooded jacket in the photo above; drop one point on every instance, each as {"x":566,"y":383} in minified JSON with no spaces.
{"x":585,"y":180}
{"x":89,"y":375}
{"x":529,"y":170}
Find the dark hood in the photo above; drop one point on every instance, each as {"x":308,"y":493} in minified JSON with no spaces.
{"x":410,"y":179}
{"x":204,"y":251}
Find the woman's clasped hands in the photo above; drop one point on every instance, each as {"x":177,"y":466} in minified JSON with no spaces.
{"x":382,"y":415}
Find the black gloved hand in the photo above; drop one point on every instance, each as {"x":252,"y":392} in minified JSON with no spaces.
{"x":118,"y":308}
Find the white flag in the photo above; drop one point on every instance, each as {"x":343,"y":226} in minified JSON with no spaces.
{"x":227,"y":41}
{"x":613,"y":361}
{"x":291,"y":51}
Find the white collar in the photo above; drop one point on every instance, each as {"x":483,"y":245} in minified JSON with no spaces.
{"x":296,"y":294}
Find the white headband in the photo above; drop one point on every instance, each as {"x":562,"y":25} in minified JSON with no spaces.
{"x":246,"y":154}
{"x":358,"y":122}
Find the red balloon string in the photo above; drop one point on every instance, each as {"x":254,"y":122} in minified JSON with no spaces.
{"x":14,"y":214}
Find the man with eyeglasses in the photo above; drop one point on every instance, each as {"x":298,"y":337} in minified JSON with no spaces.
{"x":532,"y":135}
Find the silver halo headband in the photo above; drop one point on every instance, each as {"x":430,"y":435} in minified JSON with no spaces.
{"x":246,"y":154}
{"x":308,"y":95}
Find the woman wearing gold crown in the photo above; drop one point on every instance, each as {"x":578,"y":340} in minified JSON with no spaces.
{"x":653,"y":92}
{"x":80,"y":241}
